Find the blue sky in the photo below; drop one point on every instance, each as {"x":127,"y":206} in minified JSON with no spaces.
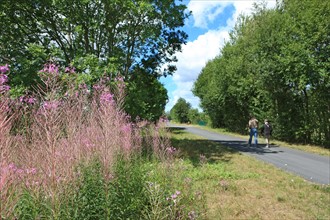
{"x":208,"y":29}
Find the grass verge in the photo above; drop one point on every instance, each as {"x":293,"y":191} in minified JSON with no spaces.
{"x":237,"y":186}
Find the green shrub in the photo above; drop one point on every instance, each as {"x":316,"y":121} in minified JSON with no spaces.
{"x":33,"y":206}
{"x":89,"y":201}
{"x":127,"y":193}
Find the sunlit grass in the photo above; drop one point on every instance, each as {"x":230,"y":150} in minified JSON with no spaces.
{"x":237,"y":186}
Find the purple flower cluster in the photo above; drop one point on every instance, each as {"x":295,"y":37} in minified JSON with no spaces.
{"x":27,"y":99}
{"x":14,"y":169}
{"x":4,"y":69}
{"x":98,"y":87}
{"x":50,"y":68}
{"x":163,"y":119}
{"x":127,"y":128}
{"x":171,"y":150}
{"x":106,"y":97}
{"x":51,"y":105}
{"x":4,"y":79}
{"x":120,"y":79}
{"x":4,"y":88}
{"x":70,"y":70}
{"x":174,"y":197}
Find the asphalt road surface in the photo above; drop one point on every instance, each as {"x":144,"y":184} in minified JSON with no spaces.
{"x":312,"y":167}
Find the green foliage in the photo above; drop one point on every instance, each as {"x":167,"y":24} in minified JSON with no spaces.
{"x":193,"y":116}
{"x":171,"y":193}
{"x":275,"y":66}
{"x":96,"y":37}
{"x":26,"y":207}
{"x":180,"y":111}
{"x":124,"y":33}
{"x":127,"y":194}
{"x":90,"y":199}
{"x":135,"y":189}
{"x":146,"y":97}
{"x":32,"y":206}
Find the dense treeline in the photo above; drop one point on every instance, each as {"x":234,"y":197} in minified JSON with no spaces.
{"x":97,"y":38}
{"x":276,"y":65}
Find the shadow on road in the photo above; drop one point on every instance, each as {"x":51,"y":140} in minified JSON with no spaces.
{"x":197,"y":151}
{"x":214,"y":150}
{"x":242,"y":147}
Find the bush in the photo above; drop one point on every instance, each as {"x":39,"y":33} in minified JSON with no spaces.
{"x":127,"y":193}
{"x":89,"y":201}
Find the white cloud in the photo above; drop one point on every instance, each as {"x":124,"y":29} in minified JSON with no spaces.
{"x":183,"y":92}
{"x":196,"y":53}
{"x":192,"y":59}
{"x":245,"y":8}
{"x":204,"y":12}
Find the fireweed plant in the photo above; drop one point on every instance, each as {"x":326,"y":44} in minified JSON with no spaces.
{"x":69,"y":151}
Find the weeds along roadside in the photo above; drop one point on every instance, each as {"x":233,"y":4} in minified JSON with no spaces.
{"x":69,"y":151}
{"x":238,"y":186}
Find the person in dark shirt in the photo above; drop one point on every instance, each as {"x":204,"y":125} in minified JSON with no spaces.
{"x":267,"y":131}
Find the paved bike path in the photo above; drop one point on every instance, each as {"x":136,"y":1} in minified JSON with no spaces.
{"x":312,"y":167}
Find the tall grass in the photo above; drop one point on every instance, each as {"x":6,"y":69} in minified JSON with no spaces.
{"x":68,"y":152}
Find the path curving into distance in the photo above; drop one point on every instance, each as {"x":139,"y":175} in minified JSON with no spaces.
{"x":312,"y":167}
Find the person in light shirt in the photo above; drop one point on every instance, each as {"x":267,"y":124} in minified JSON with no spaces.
{"x":253,"y":126}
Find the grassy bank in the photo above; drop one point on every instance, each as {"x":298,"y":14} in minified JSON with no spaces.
{"x":237,"y":186}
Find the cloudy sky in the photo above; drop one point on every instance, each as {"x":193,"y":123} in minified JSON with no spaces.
{"x":208,"y":29}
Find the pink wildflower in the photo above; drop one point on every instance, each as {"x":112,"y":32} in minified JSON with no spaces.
{"x":70,"y":70}
{"x":106,"y":97}
{"x":4,"y":88}
{"x":27,"y":99}
{"x":12,"y":167}
{"x":4,"y":68}
{"x":127,"y":128}
{"x":50,"y":68}
{"x":3,"y":79}
{"x":97,"y":87}
{"x":171,"y":150}
{"x":49,"y":105}
{"x":31,"y":100}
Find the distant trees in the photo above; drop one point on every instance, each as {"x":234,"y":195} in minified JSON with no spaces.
{"x":182,"y":112}
{"x":276,"y":65}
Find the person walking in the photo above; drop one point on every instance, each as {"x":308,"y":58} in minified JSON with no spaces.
{"x":253,"y":126}
{"x":267,"y":131}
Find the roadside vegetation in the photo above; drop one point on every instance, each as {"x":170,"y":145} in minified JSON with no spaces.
{"x":237,"y":186}
{"x":83,"y":137}
{"x":67,"y":152}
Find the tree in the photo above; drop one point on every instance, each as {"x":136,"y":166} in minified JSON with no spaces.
{"x":193,"y":116}
{"x":146,"y":96}
{"x":275,"y":66}
{"x":97,"y":37}
{"x":130,"y":33}
{"x":180,"y":111}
